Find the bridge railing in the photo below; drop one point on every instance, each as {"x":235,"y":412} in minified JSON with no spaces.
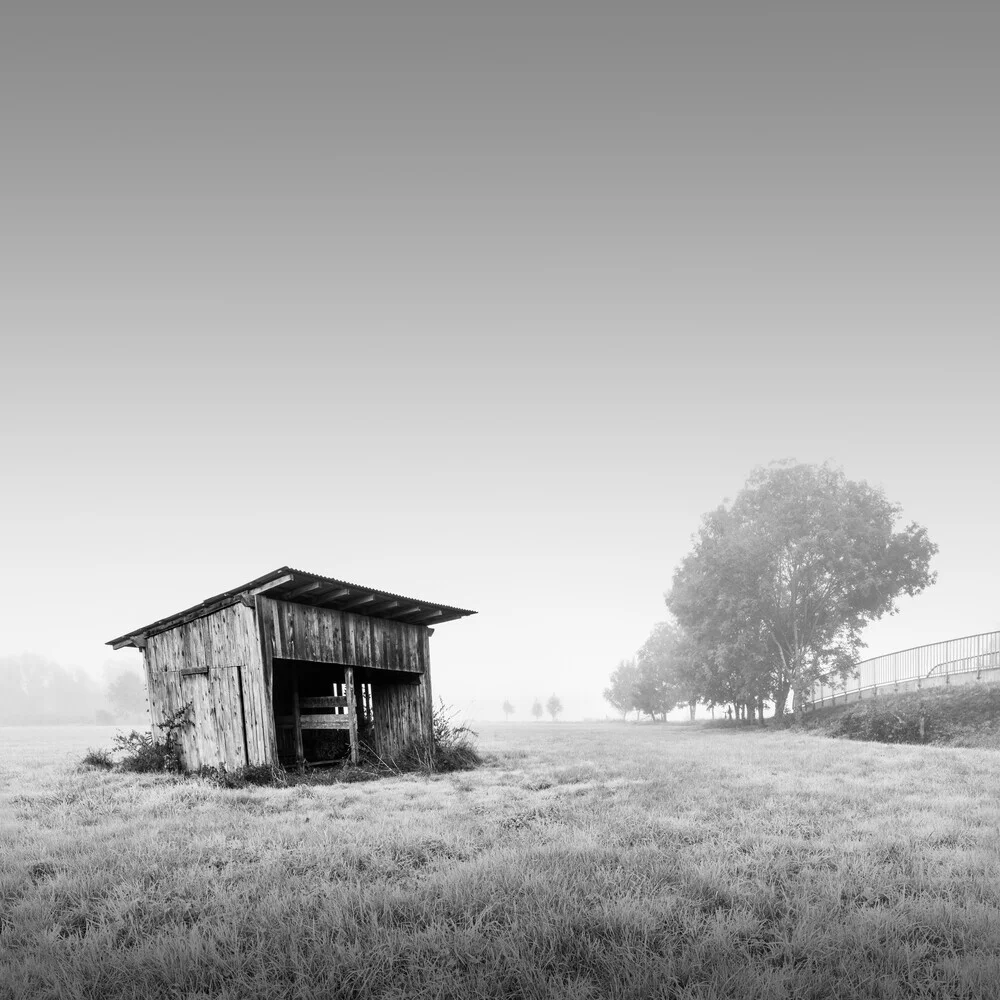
{"x":932,"y":664}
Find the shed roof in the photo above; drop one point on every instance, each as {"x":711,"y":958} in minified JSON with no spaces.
{"x":296,"y":585}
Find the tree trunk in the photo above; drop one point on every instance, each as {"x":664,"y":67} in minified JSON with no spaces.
{"x":798,"y":705}
{"x":781,"y":700}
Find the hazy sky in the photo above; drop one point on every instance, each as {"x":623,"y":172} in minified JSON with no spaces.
{"x":485,"y":308}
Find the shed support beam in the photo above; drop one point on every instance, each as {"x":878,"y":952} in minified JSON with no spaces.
{"x":300,"y":755}
{"x":357,"y":604}
{"x":352,"y":711}
{"x":332,"y":596}
{"x":411,"y":609}
{"x":271,"y":585}
{"x":426,"y":617}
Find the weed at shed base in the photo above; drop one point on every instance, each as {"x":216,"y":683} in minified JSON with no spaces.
{"x":451,"y":747}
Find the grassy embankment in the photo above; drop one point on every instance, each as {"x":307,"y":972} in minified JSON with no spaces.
{"x":586,"y":861}
{"x":962,"y":715}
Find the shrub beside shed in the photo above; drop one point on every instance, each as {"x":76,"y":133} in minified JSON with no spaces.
{"x":292,"y":668}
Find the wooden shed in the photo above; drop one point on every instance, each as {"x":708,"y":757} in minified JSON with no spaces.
{"x":292,"y":668}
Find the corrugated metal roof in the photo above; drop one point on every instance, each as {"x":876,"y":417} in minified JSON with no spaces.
{"x":304,"y":587}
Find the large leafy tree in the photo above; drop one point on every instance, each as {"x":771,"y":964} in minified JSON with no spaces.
{"x":664,"y":673}
{"x":735,"y":665}
{"x":784,"y":579}
{"x":620,"y":694}
{"x":669,"y":672}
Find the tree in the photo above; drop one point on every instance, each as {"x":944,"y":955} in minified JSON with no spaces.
{"x":732,"y":663}
{"x":127,"y":694}
{"x":668,"y":672}
{"x":553,"y":706}
{"x":536,"y":710}
{"x":508,"y":710}
{"x":37,"y":691}
{"x":621,"y":693}
{"x":782,"y":581}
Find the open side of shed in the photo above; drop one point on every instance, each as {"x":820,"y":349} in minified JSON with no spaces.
{"x":292,"y":668}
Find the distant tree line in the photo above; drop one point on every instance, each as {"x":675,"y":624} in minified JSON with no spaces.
{"x":36,"y":691}
{"x":553,"y":706}
{"x":774,"y":596}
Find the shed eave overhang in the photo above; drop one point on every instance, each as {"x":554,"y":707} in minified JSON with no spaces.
{"x":302,"y":587}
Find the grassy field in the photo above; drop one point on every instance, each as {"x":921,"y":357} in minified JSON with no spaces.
{"x":584,"y":861}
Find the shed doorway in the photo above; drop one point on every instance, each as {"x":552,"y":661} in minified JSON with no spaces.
{"x":322,"y":712}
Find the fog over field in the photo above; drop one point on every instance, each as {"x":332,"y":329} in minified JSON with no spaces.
{"x":485,"y":308}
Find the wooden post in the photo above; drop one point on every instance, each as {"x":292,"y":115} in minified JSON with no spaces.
{"x":300,"y":756}
{"x":359,"y":701}
{"x":352,"y":711}
{"x":265,"y":639}
{"x":243,"y":716}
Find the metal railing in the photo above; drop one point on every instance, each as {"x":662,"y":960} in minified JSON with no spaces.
{"x":933,"y":663}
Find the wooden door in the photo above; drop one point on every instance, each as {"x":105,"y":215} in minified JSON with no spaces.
{"x":216,"y":734}
{"x":230,"y":724}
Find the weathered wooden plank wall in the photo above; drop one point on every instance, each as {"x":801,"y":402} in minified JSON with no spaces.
{"x":401,"y":711}
{"x":234,"y":636}
{"x":300,"y":632}
{"x":398,"y":715}
{"x":215,"y":663}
